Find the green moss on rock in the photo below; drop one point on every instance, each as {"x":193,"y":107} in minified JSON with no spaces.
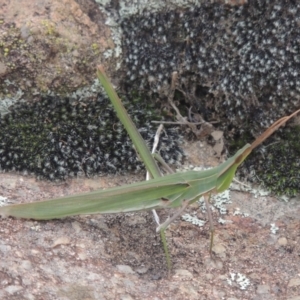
{"x":280,"y":167}
{"x":56,"y":138}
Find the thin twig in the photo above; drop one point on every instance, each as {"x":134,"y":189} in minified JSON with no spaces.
{"x":177,"y":123}
{"x":155,"y":143}
{"x":206,"y":127}
{"x":271,"y":144}
{"x":154,"y":147}
{"x":184,"y":123}
{"x":244,"y":184}
{"x":190,"y":114}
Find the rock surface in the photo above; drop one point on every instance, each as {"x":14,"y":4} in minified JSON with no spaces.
{"x":50,"y":45}
{"x":56,"y":45}
{"x":121,"y":257}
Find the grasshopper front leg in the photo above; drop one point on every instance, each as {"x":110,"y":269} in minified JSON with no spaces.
{"x":161,"y":228}
{"x":164,"y":225}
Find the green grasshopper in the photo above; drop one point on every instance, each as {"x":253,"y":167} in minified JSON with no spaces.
{"x":170,"y":191}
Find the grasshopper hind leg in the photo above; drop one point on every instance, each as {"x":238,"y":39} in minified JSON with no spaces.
{"x":211,"y":223}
